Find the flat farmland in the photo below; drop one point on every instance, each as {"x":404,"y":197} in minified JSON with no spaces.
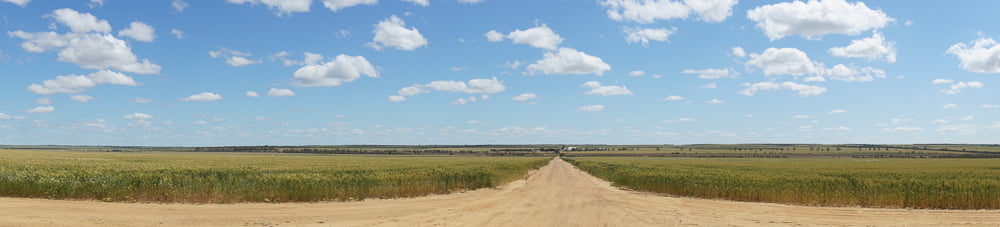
{"x":895,"y":183}
{"x":192,"y":177}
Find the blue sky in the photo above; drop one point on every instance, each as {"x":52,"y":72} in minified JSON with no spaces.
{"x":254,"y":72}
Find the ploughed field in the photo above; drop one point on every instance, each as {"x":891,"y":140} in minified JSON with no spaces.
{"x":246,"y":177}
{"x":896,"y":183}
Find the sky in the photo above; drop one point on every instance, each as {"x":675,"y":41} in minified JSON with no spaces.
{"x":330,"y":72}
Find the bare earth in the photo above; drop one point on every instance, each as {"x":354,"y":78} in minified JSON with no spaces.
{"x":556,"y":195}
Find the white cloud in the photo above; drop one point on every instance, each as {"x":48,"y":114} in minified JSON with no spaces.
{"x":336,"y":5}
{"x":950,"y":106}
{"x":472,"y":122}
{"x":597,"y":89}
{"x":738,"y":52}
{"x":649,"y":11}
{"x":177,"y":33}
{"x":851,"y":74}
{"x":252,"y":94}
{"x":957,"y":87}
{"x":839,"y":128}
{"x":903,"y":129}
{"x":644,"y":35}
{"x":423,"y":3}
{"x":282,"y":7}
{"x":43,"y":101}
{"x":274,"y":92}
{"x":95,"y":3}
{"x":709,"y":86}
{"x":392,"y":32}
{"x":81,"y":98}
{"x":397,"y":98}
{"x":939,"y":121}
{"x":41,"y":109}
{"x":470,"y":1}
{"x":591,"y":108}
{"x":76,"y":84}
{"x":494,"y":36}
{"x":259,"y":118}
{"x":21,"y":3}
{"x":202,"y":97}
{"x":141,"y":100}
{"x":234,"y":58}
{"x":942,"y":81}
{"x":983,"y":56}
{"x":712,"y":73}
{"x":802,"y":89}
{"x":814,"y":19}
{"x":989,"y":106}
{"x":90,"y":50}
{"x":636,"y":73}
{"x":872,"y":48}
{"x":80,"y":22}
{"x":569,"y":61}
{"x":9,"y":117}
{"x":139,"y":116}
{"x":464,"y":101}
{"x":139,"y":31}
{"x":962,"y":129}
{"x":539,"y":37}
{"x":673,"y":98}
{"x":715,"y":101}
{"x":341,"y":69}
{"x":525,"y":97}
{"x":784,"y":61}
{"x":838,"y":111}
{"x":179,"y":5}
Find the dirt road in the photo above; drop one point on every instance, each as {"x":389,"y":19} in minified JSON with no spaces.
{"x":556,"y":195}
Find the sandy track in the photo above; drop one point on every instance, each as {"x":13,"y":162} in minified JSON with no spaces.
{"x":555,"y":195}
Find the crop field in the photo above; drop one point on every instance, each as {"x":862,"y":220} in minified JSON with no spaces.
{"x":246,"y":177}
{"x":897,"y":183}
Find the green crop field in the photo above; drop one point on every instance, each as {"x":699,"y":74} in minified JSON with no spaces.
{"x":900,"y":183}
{"x":246,"y":177}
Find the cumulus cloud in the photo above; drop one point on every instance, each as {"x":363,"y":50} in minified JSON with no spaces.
{"x":336,"y":5}
{"x":470,"y":1}
{"x":41,"y":109}
{"x":784,"y":61}
{"x":341,"y":69}
{"x":284,"y":7}
{"x":814,"y":19}
{"x":77,"y":84}
{"x":392,"y":32}
{"x":981,"y":56}
{"x":636,"y":73}
{"x":139,"y":116}
{"x":90,"y":50}
{"x":942,"y":81}
{"x":649,"y":11}
{"x":43,"y":101}
{"x":596,"y":89}
{"x":540,"y":36}
{"x":474,"y":86}
{"x":715,"y":101}
{"x":179,"y":5}
{"x":177,"y":33}
{"x":139,"y":31}
{"x":569,"y":61}
{"x":420,"y":2}
{"x":838,"y":111}
{"x":202,"y":97}
{"x":644,"y":35}
{"x":853,"y":74}
{"x":990,"y":106}
{"x":234,"y":58}
{"x":252,"y":94}
{"x":525,"y":97}
{"x":802,"y":89}
{"x":712,"y":73}
{"x":95,"y":4}
{"x":21,"y":3}
{"x":141,"y":100}
{"x":274,"y":92}
{"x":957,"y":87}
{"x":81,"y":98}
{"x":590,"y":108}
{"x":839,"y":128}
{"x":80,"y":22}
{"x":9,"y":117}
{"x":738,"y":52}
{"x":872,"y":48}
{"x":950,"y":106}
{"x":673,"y":98}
